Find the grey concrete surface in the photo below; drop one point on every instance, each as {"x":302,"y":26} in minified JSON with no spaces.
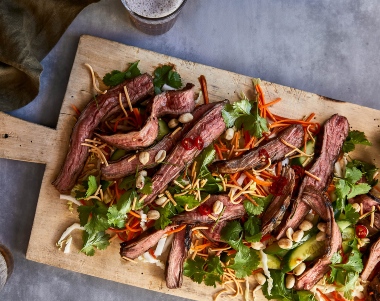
{"x":326,"y":47}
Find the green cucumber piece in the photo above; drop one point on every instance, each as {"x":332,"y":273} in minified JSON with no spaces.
{"x":308,"y":251}
{"x":117,"y":154}
{"x":343,"y":225}
{"x":348,"y":233}
{"x":273,"y":262}
{"x":310,"y":146}
{"x":163,"y":129}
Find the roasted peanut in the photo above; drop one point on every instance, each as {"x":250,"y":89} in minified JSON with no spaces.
{"x":229,"y":134}
{"x":185,"y":118}
{"x":173,"y":123}
{"x":217,"y":207}
{"x":260,"y":278}
{"x":306,"y":225}
{"x":160,"y":201}
{"x":299,"y":269}
{"x":285,"y":243}
{"x":290,"y":280}
{"x":297,"y":236}
{"x":153,"y":214}
{"x":160,"y":156}
{"x":144,"y":157}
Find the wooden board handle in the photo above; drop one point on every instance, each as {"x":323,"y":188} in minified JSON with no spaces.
{"x":25,"y":141}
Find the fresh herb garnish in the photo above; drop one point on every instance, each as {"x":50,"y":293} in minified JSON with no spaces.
{"x":261,"y":202}
{"x":99,"y":240}
{"x":348,"y":187}
{"x":245,"y":114}
{"x":117,"y":213}
{"x":353,"y":138}
{"x":166,"y":75}
{"x":200,"y":270}
{"x":369,"y":170}
{"x":117,"y":77}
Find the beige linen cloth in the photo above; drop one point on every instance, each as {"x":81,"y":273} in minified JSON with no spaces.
{"x":29,"y":29}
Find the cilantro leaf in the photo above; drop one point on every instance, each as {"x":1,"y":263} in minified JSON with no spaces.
{"x":354,"y":263}
{"x":117,"y":213}
{"x":147,"y":189}
{"x":97,"y":240}
{"x":231,"y":232}
{"x":165,"y":75}
{"x":128,"y":182}
{"x":94,"y":217}
{"x":262,"y":203}
{"x":353,"y":138}
{"x":188,"y":200}
{"x":245,"y":261}
{"x":198,"y":269}
{"x":165,"y":214}
{"x":117,"y":77}
{"x":92,"y":186}
{"x":369,"y":170}
{"x":351,"y":215}
{"x":252,"y":229}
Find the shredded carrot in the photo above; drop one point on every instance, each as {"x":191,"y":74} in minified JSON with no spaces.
{"x":151,"y":252}
{"x":260,"y":182}
{"x":136,"y":112}
{"x":76,"y":110}
{"x":131,"y":229}
{"x":118,"y":121}
{"x":176,"y":230}
{"x":323,"y":295}
{"x":278,"y":168}
{"x":218,"y":151}
{"x":337,"y":296}
{"x":117,"y":192}
{"x":202,"y":247}
{"x":117,"y":230}
{"x":310,"y":117}
{"x":202,"y":81}
{"x":134,"y":214}
{"x":272,"y":102}
{"x":251,"y":199}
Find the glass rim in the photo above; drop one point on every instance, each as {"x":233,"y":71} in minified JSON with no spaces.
{"x":154,"y":19}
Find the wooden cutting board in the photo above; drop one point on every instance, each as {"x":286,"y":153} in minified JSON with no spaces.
{"x":25,"y":141}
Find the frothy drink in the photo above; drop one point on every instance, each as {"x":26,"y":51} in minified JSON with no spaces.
{"x":153,"y":16}
{"x":154,"y":8}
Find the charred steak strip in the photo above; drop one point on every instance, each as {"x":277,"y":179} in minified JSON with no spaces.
{"x":278,"y":206}
{"x":171,"y":102}
{"x":335,"y":133}
{"x":129,"y":165}
{"x":367,"y":201}
{"x":139,"y":88}
{"x":209,"y":127}
{"x":178,"y":253}
{"x":333,"y":242}
{"x":232,"y":211}
{"x":374,"y":289}
{"x":374,"y":257}
{"x":252,"y":159}
{"x":135,"y":249}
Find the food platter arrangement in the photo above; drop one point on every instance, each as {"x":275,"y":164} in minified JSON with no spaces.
{"x":183,"y":178}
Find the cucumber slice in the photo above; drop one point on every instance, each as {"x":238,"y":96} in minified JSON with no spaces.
{"x":343,"y":224}
{"x":308,"y":251}
{"x":273,"y":262}
{"x":117,"y":154}
{"x":163,"y":129}
{"x":310,"y":146}
{"x":348,"y":233}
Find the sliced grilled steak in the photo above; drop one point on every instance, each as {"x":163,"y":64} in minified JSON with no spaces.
{"x":335,"y":132}
{"x":373,"y":260}
{"x":231,"y":212}
{"x":129,"y":165}
{"x":373,"y":291}
{"x":178,"y":253}
{"x":139,"y":88}
{"x":208,"y":128}
{"x":171,"y":102}
{"x":137,"y":248}
{"x":214,"y":232}
{"x":333,"y":242}
{"x":252,"y":159}
{"x":136,"y":139}
{"x":367,"y":201}
{"x":279,"y":204}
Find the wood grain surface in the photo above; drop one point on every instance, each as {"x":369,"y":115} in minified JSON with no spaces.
{"x":24,"y":141}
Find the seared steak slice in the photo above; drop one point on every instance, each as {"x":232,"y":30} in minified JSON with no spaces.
{"x":139,"y":88}
{"x":333,"y":242}
{"x":129,"y":165}
{"x":137,"y":248}
{"x":208,"y":128}
{"x":373,"y":291}
{"x":232,"y":211}
{"x":171,"y":102}
{"x":136,"y":139}
{"x":335,"y":132}
{"x":373,"y":260}
{"x":368,"y":200}
{"x":178,"y":253}
{"x":279,"y":204}
{"x":214,"y":232}
{"x":252,"y":159}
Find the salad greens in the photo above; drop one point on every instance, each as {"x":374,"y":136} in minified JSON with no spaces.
{"x":116,"y":77}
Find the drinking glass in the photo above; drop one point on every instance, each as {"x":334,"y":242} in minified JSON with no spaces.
{"x":153,"y":17}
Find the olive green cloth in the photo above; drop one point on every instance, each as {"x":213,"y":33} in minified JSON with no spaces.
{"x":29,"y":29}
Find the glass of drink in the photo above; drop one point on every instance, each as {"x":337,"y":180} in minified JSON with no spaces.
{"x":6,"y":265}
{"x":153,"y":17}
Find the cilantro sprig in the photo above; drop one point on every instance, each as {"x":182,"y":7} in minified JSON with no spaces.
{"x":166,"y":75}
{"x":201,"y":270}
{"x":353,"y":138}
{"x":245,"y":114}
{"x":116,"y":77}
